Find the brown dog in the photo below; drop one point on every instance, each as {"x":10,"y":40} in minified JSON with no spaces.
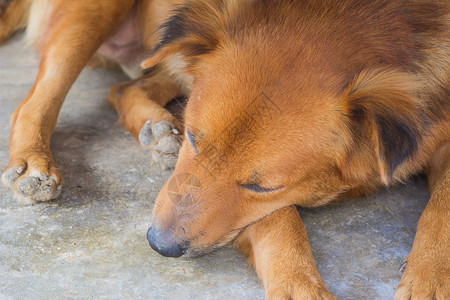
{"x":291,"y":103}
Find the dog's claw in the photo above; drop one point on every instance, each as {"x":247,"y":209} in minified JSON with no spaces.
{"x":20,"y":170}
{"x":403,"y":267}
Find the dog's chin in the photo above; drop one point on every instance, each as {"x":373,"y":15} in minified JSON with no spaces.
{"x":195,"y":251}
{"x":198,"y":252}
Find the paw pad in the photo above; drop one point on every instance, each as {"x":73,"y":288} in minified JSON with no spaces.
{"x":161,"y":129}
{"x":32,"y":185}
{"x":165,"y":139}
{"x":168,"y":144}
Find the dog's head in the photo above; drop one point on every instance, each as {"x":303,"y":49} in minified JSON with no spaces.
{"x":280,"y":113}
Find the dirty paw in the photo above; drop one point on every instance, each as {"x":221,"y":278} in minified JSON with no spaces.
{"x":164,"y":140}
{"x":33,"y":185}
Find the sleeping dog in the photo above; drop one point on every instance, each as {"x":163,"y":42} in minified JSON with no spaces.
{"x":290,"y":103}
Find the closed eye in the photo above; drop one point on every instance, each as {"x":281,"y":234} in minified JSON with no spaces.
{"x":191,"y":139}
{"x":259,"y":189}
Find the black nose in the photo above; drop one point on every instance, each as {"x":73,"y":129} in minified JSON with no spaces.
{"x":165,"y":244}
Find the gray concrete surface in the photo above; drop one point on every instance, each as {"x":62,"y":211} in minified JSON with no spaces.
{"x":90,"y":243}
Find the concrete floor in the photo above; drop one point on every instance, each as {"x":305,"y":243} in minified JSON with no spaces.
{"x":90,"y":243}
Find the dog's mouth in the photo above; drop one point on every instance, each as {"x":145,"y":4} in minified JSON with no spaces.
{"x":201,"y":251}
{"x":168,"y":247}
{"x":190,"y":250}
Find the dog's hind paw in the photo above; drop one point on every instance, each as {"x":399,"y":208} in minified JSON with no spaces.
{"x":164,"y":140}
{"x":33,"y":180}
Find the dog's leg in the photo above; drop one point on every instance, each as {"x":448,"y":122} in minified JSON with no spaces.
{"x":77,"y":30}
{"x":427,"y":268}
{"x":140,"y":105}
{"x":278,"y":248}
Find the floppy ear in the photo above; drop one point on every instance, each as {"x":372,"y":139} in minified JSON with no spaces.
{"x":192,"y":30}
{"x":384,"y":120}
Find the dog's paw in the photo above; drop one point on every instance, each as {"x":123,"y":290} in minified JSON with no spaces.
{"x":424,"y":281}
{"x":300,"y":290}
{"x":164,"y":140}
{"x":33,"y":179}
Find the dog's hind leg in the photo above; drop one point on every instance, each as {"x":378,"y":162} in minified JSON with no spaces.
{"x":278,"y":248}
{"x":140,"y":105}
{"x":13,"y":16}
{"x":77,"y":30}
{"x":427,"y":268}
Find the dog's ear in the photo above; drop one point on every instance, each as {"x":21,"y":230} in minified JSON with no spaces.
{"x":384,"y":113}
{"x":193,"y":30}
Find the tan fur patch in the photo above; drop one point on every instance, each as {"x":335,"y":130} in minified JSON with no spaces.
{"x":40,"y":11}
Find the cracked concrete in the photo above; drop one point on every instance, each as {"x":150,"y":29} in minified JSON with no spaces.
{"x":90,"y":242}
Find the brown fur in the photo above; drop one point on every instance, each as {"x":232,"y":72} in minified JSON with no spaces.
{"x":13,"y":16}
{"x":291,"y":103}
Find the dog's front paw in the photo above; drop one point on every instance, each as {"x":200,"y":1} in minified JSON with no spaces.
{"x":33,"y":177}
{"x":423,"y":280}
{"x":299,"y":289}
{"x":164,"y":139}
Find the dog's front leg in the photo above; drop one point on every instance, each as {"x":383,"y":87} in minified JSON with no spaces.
{"x":140,"y":105}
{"x":427,"y":271}
{"x":278,"y":248}
{"x":76,"y":29}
